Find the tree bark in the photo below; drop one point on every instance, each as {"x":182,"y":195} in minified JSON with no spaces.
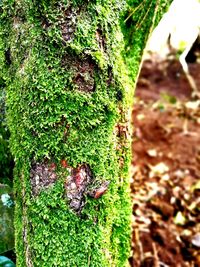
{"x":69,"y":93}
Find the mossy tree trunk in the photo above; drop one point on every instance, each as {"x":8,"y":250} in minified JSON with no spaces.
{"x":68,"y":97}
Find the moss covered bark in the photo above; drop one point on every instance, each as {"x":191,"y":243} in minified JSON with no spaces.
{"x":140,"y":19}
{"x":68,"y":97}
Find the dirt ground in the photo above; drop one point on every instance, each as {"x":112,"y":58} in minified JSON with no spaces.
{"x":166,"y":168}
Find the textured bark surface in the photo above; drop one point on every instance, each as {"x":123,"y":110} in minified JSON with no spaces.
{"x":68,"y":98}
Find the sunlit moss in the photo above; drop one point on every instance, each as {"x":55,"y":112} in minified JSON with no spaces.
{"x":68,"y":93}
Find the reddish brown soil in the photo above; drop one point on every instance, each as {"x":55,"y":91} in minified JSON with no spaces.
{"x":166,"y":197}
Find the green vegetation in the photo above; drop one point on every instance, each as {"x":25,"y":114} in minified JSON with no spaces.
{"x":140,"y":18}
{"x":68,"y":95}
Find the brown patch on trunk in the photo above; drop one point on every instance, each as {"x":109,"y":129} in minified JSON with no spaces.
{"x":68,"y":24}
{"x":42,"y":176}
{"x":66,"y":21}
{"x":101,"y":39}
{"x":85,"y":76}
{"x":83,"y":69}
{"x":69,"y":21}
{"x":123,"y":131}
{"x":75,"y":185}
{"x":99,"y":190}
{"x":79,"y":183}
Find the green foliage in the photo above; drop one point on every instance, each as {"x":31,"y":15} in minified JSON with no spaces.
{"x":140,"y":18}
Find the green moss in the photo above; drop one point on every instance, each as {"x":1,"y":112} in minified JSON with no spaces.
{"x":140,"y":18}
{"x":68,"y":94}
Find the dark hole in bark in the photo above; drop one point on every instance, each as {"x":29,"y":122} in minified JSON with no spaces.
{"x":45,"y":23}
{"x":8,"y":56}
{"x":34,"y":133}
{"x":101,"y":39}
{"x":110,"y":76}
{"x":42,"y":176}
{"x":119,"y":95}
{"x":79,"y":79}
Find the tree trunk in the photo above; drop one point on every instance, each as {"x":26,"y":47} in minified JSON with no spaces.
{"x":69,"y":94}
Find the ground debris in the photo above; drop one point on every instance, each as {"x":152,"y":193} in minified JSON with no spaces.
{"x":166,"y":169}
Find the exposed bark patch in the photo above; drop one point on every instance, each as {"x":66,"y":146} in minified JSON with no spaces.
{"x":84,"y":71}
{"x":66,"y":21}
{"x":80,"y":182}
{"x":85,"y":76}
{"x":68,"y":24}
{"x":123,"y":131}
{"x":69,"y":20}
{"x":42,"y":176}
{"x":76,"y":184}
{"x":99,"y":191}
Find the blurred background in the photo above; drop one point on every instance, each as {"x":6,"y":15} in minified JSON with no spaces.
{"x":166,"y":144}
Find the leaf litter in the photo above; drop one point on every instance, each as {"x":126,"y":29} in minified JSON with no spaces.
{"x":165,"y":180}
